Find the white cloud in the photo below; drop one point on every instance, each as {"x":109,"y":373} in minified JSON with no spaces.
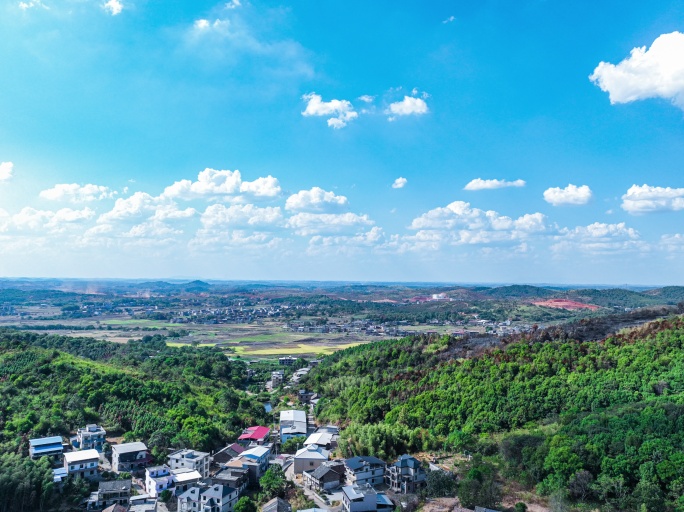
{"x":315,"y":200}
{"x":399,"y":183}
{"x":212,"y":182}
{"x":342,"y":111}
{"x":408,"y":106}
{"x":113,"y":7}
{"x":218,"y":216}
{"x":480,"y":184}
{"x":450,"y":19}
{"x":31,"y":4}
{"x":654,"y":73}
{"x":261,"y":187}
{"x":233,"y":4}
{"x":598,"y":238}
{"x":201,"y":24}
{"x":77,"y":193}
{"x":34,"y":220}
{"x":570,"y":195}
{"x":133,"y":206}
{"x":647,"y":199}
{"x":6,"y":169}
{"x":367,"y":98}
{"x":459,"y":223}
{"x":317,"y":223}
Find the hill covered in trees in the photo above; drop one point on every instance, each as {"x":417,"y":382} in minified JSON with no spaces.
{"x":595,"y":422}
{"x":167,"y":397}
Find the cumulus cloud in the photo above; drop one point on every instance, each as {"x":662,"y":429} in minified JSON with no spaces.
{"x":315,"y":200}
{"x":367,"y":98}
{"x":6,"y":170}
{"x":24,"y":6}
{"x":647,"y":199}
{"x":29,"y":218}
{"x":133,"y":206}
{"x":77,"y":193}
{"x":212,"y":182}
{"x":399,"y":183}
{"x":459,"y":223}
{"x":218,"y":216}
{"x":340,"y":111}
{"x":233,"y":4}
{"x":113,"y":7}
{"x":407,"y":107}
{"x":480,"y":184}
{"x":317,"y":223}
{"x":598,"y":238}
{"x":570,"y":195}
{"x":657,"y":72}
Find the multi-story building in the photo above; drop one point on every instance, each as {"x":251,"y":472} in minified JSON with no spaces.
{"x":292,"y":424}
{"x":254,"y":435}
{"x":277,"y":378}
{"x":191,"y":459}
{"x":406,"y":475}
{"x":82,"y":463}
{"x":309,"y":458}
{"x":287,"y":361}
{"x":130,"y":457}
{"x":365,"y":470}
{"x":160,"y":478}
{"x":113,"y":492}
{"x":91,"y":437}
{"x":327,"y":476}
{"x":214,"y":498}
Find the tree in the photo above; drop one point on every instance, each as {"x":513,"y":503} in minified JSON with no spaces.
{"x":292,"y":444}
{"x":579,"y":484}
{"x":245,"y":504}
{"x":441,"y":484}
{"x":301,"y":502}
{"x":165,"y":495}
{"x":520,"y":507}
{"x":273,"y":483}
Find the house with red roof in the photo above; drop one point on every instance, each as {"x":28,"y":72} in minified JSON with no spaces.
{"x":256,"y":434}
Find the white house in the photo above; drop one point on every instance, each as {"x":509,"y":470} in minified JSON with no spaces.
{"x":215,"y":498}
{"x":82,"y":463}
{"x":161,"y":478}
{"x":191,"y":459}
{"x":91,"y":436}
{"x":129,"y":457}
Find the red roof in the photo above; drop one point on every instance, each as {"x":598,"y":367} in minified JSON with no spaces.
{"x":254,"y":433}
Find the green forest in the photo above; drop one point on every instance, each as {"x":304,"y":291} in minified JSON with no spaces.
{"x":599,"y":423}
{"x":52,"y":385}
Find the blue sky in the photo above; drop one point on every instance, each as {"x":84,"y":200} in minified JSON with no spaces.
{"x":473,"y":141}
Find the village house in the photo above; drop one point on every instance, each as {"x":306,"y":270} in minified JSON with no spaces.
{"x":292,"y":424}
{"x":363,"y":498}
{"x":214,"y":498}
{"x":227,"y":454}
{"x":287,"y":361}
{"x":406,"y":475}
{"x":309,"y":458}
{"x":277,"y":378}
{"x":323,"y":439}
{"x":82,"y":463}
{"x":237,"y":478}
{"x":90,"y":437}
{"x":160,"y":478}
{"x":46,"y":447}
{"x":327,"y":476}
{"x":256,"y":434}
{"x":365,"y":470}
{"x":191,"y":459}
{"x":114,"y":492}
{"x":129,"y":457}
{"x":255,"y":460}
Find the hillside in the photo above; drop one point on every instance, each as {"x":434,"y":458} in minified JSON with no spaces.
{"x":546,"y":412}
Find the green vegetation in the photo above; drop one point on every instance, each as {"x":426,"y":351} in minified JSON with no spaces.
{"x":595,"y":422}
{"x":52,"y":385}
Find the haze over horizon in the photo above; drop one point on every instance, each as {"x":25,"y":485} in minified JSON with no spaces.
{"x":470,"y":142}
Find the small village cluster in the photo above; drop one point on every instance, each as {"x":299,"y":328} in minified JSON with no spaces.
{"x":203,"y":482}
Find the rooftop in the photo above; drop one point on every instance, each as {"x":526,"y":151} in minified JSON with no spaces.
{"x":129,"y":447}
{"x":115,"y":485}
{"x":43,"y":441}
{"x":313,"y":451}
{"x":188,"y":454}
{"x":255,"y":433}
{"x":292,"y":416}
{"x":71,"y":457}
{"x":257,"y":451}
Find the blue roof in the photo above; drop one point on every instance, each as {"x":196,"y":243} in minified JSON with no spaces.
{"x":47,"y":449}
{"x":59,"y":474}
{"x":45,"y":440}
